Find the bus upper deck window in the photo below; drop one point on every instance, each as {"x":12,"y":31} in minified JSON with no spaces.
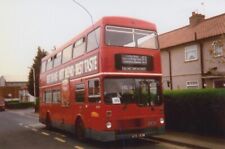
{"x":131,"y":37}
{"x":57,"y":59}
{"x":79,"y":47}
{"x":93,"y":40}
{"x":67,"y":54}
{"x":49,"y":64}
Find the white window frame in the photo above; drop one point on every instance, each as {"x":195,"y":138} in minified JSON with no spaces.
{"x":192,"y":48}
{"x":189,"y":84}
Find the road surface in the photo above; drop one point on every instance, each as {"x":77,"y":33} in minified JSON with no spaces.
{"x":21,"y":130}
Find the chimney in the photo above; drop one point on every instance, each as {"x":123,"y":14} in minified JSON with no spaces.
{"x":196,"y":18}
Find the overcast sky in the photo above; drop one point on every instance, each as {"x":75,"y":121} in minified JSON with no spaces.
{"x":27,"y":24}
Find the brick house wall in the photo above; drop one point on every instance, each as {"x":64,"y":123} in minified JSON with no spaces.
{"x":9,"y":92}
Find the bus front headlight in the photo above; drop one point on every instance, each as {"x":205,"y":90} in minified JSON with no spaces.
{"x":108,"y":125}
{"x":162,"y":121}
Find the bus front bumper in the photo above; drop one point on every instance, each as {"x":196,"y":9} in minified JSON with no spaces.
{"x":106,"y":136}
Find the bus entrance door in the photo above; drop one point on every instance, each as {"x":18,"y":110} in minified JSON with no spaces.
{"x":65,"y":95}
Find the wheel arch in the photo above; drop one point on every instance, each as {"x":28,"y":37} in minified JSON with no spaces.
{"x":77,"y":118}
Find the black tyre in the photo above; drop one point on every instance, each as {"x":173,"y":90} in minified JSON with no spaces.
{"x":80,"y":130}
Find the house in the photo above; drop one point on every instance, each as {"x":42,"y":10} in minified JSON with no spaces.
{"x":16,"y":83}
{"x":194,"y":56}
{"x":2,"y":81}
{"x":9,"y":92}
{"x":13,"y":89}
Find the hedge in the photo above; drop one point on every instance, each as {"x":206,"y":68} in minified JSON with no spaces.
{"x":19,"y":105}
{"x":199,"y":111}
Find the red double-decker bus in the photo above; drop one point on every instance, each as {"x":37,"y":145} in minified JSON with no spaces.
{"x":105,"y":84}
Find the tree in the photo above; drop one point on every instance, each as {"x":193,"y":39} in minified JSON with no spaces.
{"x":37,"y":66}
{"x":217,"y":50}
{"x":217,"y":57}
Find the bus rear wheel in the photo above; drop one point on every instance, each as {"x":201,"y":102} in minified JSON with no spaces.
{"x":80,"y":130}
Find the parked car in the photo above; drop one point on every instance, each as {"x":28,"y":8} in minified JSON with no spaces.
{"x":2,"y":105}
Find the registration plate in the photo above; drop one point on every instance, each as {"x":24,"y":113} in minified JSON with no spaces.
{"x":140,"y":135}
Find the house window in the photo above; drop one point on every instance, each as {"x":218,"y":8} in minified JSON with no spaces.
{"x":219,"y":83}
{"x":191,"y":53}
{"x":94,"y":90}
{"x":217,"y":50}
{"x":192,"y":84}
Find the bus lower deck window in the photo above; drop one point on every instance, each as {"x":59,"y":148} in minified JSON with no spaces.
{"x":79,"y":91}
{"x":94,"y":90}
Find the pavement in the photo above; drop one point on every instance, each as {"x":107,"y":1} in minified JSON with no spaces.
{"x":25,"y":112}
{"x":179,"y":138}
{"x":191,"y":140}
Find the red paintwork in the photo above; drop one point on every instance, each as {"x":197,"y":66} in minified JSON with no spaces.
{"x":122,"y":117}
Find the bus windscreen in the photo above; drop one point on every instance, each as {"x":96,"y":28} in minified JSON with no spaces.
{"x":144,"y":92}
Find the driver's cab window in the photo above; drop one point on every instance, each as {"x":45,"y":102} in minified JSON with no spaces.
{"x":94,"y":90}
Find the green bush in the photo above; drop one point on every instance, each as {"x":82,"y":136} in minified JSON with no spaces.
{"x":19,"y":105}
{"x":12,"y":102}
{"x":200,"y":111}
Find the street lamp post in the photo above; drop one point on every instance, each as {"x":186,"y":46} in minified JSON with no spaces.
{"x":89,"y":14}
{"x":85,"y":9}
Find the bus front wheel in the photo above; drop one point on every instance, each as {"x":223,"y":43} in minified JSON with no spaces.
{"x":80,"y":130}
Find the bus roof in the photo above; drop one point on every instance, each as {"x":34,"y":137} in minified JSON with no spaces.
{"x":110,"y":20}
{"x":128,"y":22}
